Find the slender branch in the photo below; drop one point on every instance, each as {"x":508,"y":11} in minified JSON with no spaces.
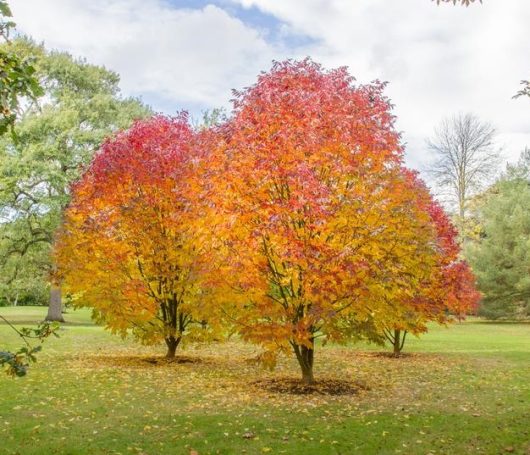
{"x":18,"y":331}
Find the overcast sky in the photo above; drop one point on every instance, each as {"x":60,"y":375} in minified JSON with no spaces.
{"x":438,"y":60}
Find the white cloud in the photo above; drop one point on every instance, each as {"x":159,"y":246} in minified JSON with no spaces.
{"x":180,"y":57}
{"x":438,"y":60}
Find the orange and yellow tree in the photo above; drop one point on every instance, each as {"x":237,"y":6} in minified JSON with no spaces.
{"x":317,"y":228}
{"x":444,"y":288}
{"x":128,"y":247}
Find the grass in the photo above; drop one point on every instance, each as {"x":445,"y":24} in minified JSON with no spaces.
{"x":462,"y":390}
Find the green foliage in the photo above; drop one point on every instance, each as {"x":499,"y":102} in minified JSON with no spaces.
{"x":17,"y":363}
{"x":501,"y":255}
{"x":24,"y":265}
{"x":17,"y":74}
{"x":56,"y":136}
{"x":210,"y":118}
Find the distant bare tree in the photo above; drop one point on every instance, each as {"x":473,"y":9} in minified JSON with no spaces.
{"x":466,"y":158}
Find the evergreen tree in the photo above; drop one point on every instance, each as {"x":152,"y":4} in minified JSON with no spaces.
{"x":501,"y":255}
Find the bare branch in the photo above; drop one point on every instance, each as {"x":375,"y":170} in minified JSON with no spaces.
{"x":466,"y":157}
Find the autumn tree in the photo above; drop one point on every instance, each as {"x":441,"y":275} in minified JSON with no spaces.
{"x":456,"y":297}
{"x":315,"y":222}
{"x":129,"y":247}
{"x":444,"y":290}
{"x":463,"y":297}
{"x":465,"y":159}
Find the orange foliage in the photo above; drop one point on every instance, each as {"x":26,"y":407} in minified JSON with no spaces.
{"x":128,"y":245}
{"x":295,"y":220}
{"x":322,"y":228}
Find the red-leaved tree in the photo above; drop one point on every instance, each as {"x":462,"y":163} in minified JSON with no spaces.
{"x":318,"y":229}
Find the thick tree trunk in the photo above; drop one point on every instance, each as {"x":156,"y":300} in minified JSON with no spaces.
{"x":172,"y":344}
{"x":305,"y":357}
{"x":55,"y":308}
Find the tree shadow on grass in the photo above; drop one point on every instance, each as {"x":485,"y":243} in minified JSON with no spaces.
{"x":138,"y":361}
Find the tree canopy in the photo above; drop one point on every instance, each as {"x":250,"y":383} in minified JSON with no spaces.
{"x":129,"y":244}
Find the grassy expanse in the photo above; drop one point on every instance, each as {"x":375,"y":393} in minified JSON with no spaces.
{"x":462,"y":390}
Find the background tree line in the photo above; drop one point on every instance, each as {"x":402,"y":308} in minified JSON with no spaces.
{"x":490,"y":208}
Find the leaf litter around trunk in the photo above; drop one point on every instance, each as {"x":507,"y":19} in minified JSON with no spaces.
{"x":321,"y":387}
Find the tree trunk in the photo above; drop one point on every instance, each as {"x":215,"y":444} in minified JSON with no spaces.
{"x":397,"y":342}
{"x":305,"y":356}
{"x":172,"y":344}
{"x":55,"y":308}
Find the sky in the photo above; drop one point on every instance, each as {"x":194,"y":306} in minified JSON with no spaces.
{"x":189,"y":54}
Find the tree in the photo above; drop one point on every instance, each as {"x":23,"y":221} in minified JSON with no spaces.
{"x":500,"y":257}
{"x":318,"y":230}
{"x":16,"y":81}
{"x":210,"y":118}
{"x":462,"y":295}
{"x":129,"y":247}
{"x":55,"y":137}
{"x":456,"y":296}
{"x":465,"y":159}
{"x":24,"y":278}
{"x":444,"y":289}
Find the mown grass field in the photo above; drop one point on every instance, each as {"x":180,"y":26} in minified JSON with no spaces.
{"x":462,"y":390}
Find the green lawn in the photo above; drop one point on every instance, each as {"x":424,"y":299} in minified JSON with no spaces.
{"x":463,"y":390}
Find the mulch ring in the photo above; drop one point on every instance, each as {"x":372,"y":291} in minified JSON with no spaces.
{"x":295,"y":386}
{"x":391,"y":355}
{"x":177,"y":359}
